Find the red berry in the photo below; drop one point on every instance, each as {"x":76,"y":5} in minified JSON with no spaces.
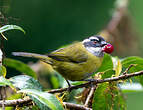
{"x":108,"y":48}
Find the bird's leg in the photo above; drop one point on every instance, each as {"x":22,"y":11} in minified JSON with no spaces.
{"x":69,"y":85}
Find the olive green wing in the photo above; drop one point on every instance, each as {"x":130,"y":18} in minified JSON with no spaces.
{"x":74,"y":53}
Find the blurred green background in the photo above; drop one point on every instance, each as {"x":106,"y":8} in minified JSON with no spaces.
{"x":50,"y":24}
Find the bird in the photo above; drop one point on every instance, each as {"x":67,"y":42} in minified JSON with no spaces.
{"x":78,"y":60}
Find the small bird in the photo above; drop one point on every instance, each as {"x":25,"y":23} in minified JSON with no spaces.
{"x":77,"y":61}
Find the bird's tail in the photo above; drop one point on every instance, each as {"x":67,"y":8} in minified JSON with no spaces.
{"x":44,"y":58}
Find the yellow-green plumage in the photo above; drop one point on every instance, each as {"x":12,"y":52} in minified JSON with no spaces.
{"x":74,"y":62}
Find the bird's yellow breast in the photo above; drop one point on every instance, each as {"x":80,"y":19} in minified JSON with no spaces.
{"x":78,"y":71}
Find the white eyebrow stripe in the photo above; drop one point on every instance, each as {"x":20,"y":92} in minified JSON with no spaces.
{"x":94,"y":38}
{"x":86,"y":40}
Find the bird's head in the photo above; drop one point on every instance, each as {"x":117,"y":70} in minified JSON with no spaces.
{"x":97,"y":46}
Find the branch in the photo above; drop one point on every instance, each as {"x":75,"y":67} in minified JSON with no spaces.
{"x":96,"y":81}
{"x":76,"y":106}
{"x":17,"y":102}
{"x":21,"y":102}
{"x":90,"y":95}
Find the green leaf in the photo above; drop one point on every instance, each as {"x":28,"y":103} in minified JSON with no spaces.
{"x":2,"y":71}
{"x":107,"y":64}
{"x":108,"y":74}
{"x":137,"y":61}
{"x":45,"y":101}
{"x":60,"y":79}
{"x":5,"y":82}
{"x":10,"y":27}
{"x":99,"y":100}
{"x":54,"y":81}
{"x":25,"y":82}
{"x":108,"y":97}
{"x":126,"y":62}
{"x":15,"y":96}
{"x":76,"y":82}
{"x":20,"y":66}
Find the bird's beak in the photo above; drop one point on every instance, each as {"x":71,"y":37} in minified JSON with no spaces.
{"x":103,"y":43}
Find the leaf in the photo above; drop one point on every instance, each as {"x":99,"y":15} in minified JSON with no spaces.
{"x":20,"y":66}
{"x":99,"y":101}
{"x":54,"y":81}
{"x":138,"y":61}
{"x":45,"y":101}
{"x":5,"y":82}
{"x":126,"y":62}
{"x":60,"y":80}
{"x":10,"y":27}
{"x":25,"y":82}
{"x":15,"y":96}
{"x":2,"y":71}
{"x":107,"y":63}
{"x":108,"y":74}
{"x":108,"y":97}
{"x":76,"y":82}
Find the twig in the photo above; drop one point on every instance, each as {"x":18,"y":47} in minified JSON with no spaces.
{"x":2,"y":89}
{"x":126,"y":71}
{"x":16,"y":102}
{"x":19,"y":102}
{"x":96,"y":81}
{"x":26,"y":101}
{"x":76,"y":106}
{"x":2,"y":97}
{"x":90,"y":95}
